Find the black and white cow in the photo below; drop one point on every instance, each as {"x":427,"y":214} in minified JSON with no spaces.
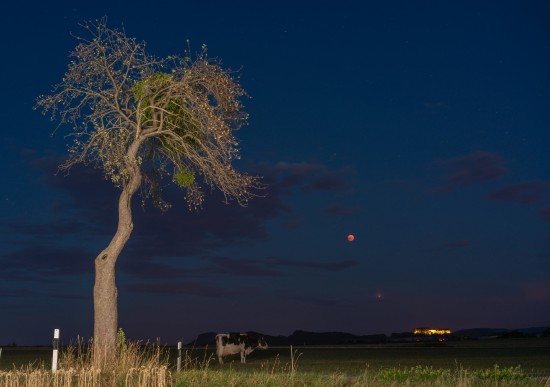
{"x":233,"y":343}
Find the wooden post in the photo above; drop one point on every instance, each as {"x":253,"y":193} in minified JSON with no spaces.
{"x":291,"y":360}
{"x":55,"y":349}
{"x":179,"y":356}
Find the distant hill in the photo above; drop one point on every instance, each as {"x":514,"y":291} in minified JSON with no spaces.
{"x":480,"y":332}
{"x":203,"y":339}
{"x":209,"y":338}
{"x":500,"y":332}
{"x":534,"y":330}
{"x":299,"y":338}
{"x":337,"y":338}
{"x":332,"y":338}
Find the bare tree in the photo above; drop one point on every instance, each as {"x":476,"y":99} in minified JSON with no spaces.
{"x":144,"y":120}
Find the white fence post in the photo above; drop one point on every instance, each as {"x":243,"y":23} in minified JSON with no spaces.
{"x":55,"y":349}
{"x":179,"y":356}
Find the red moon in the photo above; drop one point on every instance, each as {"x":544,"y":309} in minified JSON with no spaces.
{"x":351,"y":237}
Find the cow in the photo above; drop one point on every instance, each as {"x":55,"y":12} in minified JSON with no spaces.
{"x":233,"y":343}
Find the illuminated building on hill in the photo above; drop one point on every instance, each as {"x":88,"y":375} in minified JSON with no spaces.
{"x":431,"y":331}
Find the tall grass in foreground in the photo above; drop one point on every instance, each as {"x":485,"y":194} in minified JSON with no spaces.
{"x":144,"y":366}
{"x":134,"y":365}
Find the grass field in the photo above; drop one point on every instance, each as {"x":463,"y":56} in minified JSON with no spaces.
{"x":506,"y":362}
{"x":533,"y":356}
{"x":16,"y":357}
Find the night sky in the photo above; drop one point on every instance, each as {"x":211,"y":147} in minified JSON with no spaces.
{"x":420,"y":127}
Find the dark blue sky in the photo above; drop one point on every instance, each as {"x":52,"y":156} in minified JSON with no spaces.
{"x":420,"y":127}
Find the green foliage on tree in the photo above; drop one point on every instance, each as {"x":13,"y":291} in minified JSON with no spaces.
{"x":184,"y":178}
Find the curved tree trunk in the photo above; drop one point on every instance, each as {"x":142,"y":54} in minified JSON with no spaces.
{"x":105,"y":291}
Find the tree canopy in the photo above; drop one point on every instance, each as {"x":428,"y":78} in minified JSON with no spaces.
{"x":182,"y":111}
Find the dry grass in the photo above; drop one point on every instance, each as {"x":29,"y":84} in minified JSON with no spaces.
{"x":135,"y":365}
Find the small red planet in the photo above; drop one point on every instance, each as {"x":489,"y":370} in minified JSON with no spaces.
{"x":351,"y":237}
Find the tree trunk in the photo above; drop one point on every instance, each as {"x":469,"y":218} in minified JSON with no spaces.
{"x":105,"y":309}
{"x":105,"y":290}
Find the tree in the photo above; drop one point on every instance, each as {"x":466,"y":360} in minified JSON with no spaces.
{"x":143,"y":121}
